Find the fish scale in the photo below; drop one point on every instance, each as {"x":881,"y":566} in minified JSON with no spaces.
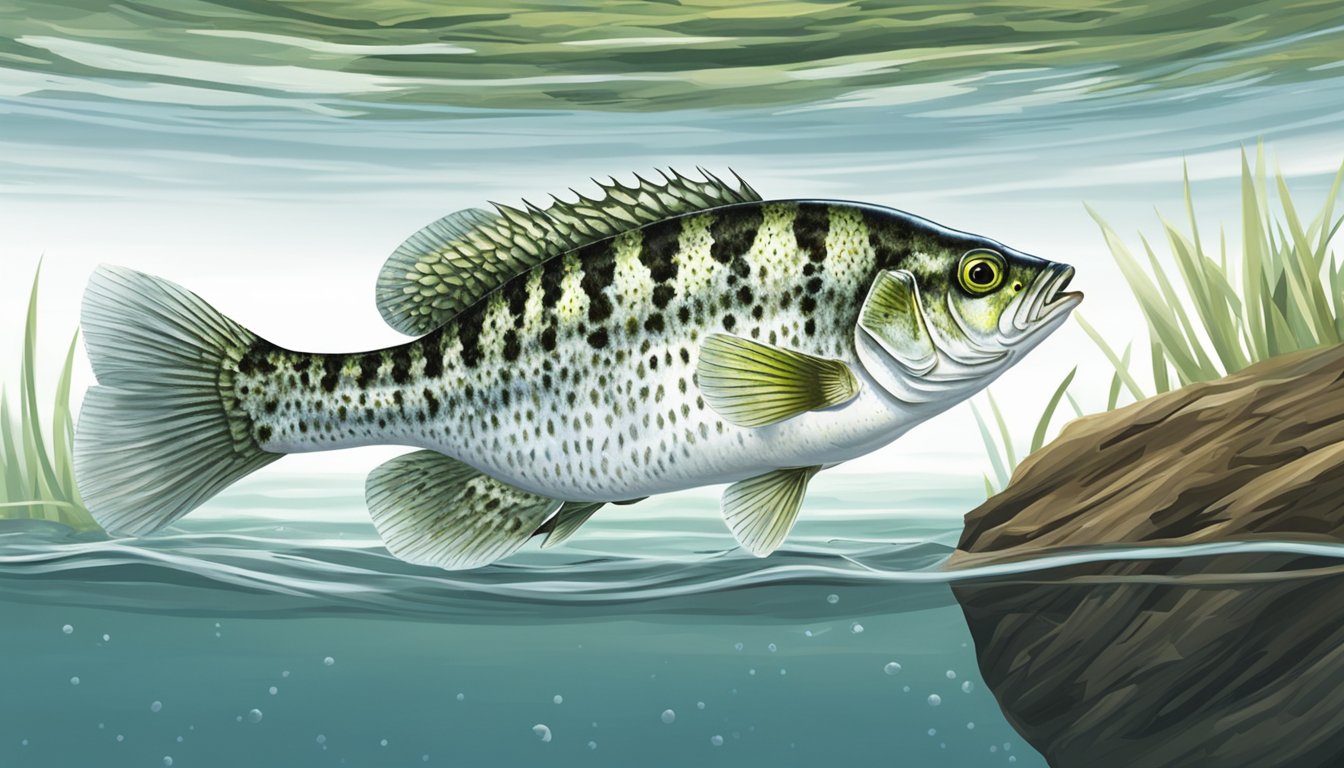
{"x":666,"y":336}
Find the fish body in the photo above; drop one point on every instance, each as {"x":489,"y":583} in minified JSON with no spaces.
{"x":719,"y":344}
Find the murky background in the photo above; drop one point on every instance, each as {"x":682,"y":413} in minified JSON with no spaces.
{"x":269,"y":156}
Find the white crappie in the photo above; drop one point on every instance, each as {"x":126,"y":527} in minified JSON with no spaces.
{"x":666,"y":336}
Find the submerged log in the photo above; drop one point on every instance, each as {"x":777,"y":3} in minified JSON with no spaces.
{"x":1258,"y":455}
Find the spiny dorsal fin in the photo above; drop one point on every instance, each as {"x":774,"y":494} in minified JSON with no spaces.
{"x":450,"y":264}
{"x":434,"y":510}
{"x":760,"y":511}
{"x":753,"y":384}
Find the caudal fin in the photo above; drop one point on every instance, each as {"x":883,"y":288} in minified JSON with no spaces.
{"x":161,"y":433}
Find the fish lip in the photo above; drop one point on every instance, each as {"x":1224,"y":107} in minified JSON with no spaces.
{"x":1054,"y":299}
{"x":1043,"y":306}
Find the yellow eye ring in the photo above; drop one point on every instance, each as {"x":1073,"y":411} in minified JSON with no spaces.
{"x":981,"y":272}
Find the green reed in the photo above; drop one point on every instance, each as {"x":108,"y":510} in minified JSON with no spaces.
{"x":37,"y":478}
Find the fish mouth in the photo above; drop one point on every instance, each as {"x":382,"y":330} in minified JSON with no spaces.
{"x":1046,"y":303}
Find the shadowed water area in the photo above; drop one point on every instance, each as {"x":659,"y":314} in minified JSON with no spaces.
{"x":279,"y":151}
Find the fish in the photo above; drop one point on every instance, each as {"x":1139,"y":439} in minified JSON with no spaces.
{"x":671,"y":333}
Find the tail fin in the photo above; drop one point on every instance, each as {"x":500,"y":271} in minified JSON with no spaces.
{"x":161,"y":433}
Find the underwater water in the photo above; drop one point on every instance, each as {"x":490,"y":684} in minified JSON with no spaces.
{"x":271,"y":155}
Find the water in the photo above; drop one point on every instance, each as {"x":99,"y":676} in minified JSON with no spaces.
{"x":271,"y":155}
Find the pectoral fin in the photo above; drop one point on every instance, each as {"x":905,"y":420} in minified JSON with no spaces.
{"x":760,"y":511}
{"x":434,"y":510}
{"x":752,"y":384}
{"x":892,"y":317}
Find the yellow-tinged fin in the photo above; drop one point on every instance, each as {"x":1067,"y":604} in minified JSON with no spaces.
{"x":753,"y":384}
{"x":450,"y":264}
{"x":434,"y":510}
{"x":891,"y":315}
{"x":760,"y":511}
{"x":568,"y":521}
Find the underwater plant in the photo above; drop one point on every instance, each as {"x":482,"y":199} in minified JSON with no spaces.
{"x":1200,"y":327}
{"x":37,"y":481}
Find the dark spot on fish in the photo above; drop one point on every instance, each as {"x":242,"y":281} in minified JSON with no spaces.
{"x":757,"y":311}
{"x":683,"y":314}
{"x":469,"y":334}
{"x":810,"y":327}
{"x":744,"y":295}
{"x":659,"y":250}
{"x":598,"y":339}
{"x":685,"y":355}
{"x":654,"y":323}
{"x":263,"y":433}
{"x":368,"y":370}
{"x":401,"y":364}
{"x":552,"y":281}
{"x":331,"y":372}
{"x":548,"y":338}
{"x":653,"y":362}
{"x":511,"y":346}
{"x":729,"y":322}
{"x":515,"y":292}
{"x":271,"y":406}
{"x":733,"y":233}
{"x":662,"y":294}
{"x":305,"y":380}
{"x":303,"y":426}
{"x":810,"y":225}
{"x":631,"y":325}
{"x":341,"y":413}
{"x":599,"y":269}
{"x":432,"y":347}
{"x":891,"y":247}
{"x":808,"y":304}
{"x":814,"y":285}
{"x":809,"y":269}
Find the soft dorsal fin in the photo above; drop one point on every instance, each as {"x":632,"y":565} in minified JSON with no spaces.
{"x":450,"y":264}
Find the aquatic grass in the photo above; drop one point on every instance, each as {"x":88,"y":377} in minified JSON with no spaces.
{"x":1001,"y":449}
{"x":37,"y":479}
{"x":1200,"y":326}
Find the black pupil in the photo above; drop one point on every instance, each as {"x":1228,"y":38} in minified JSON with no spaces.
{"x":981,"y":273}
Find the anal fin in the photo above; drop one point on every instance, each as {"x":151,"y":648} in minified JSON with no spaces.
{"x":567,"y":522}
{"x":760,"y":511}
{"x":434,"y":510}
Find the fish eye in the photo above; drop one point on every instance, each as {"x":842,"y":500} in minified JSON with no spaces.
{"x":981,"y":272}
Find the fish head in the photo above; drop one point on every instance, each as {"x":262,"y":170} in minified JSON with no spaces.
{"x":983,"y":304}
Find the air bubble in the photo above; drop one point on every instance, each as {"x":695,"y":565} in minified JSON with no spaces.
{"x":716,"y":740}
{"x":935,"y":699}
{"x":254,"y":716}
{"x":699,"y":705}
{"x":167,"y":760}
{"x":592,"y":745}
{"x":273,"y":690}
{"x":68,"y":629}
{"x":856,"y":628}
{"x":891,"y":668}
{"x":669,"y":716}
{"x":558,"y":699}
{"x":951,"y":675}
{"x":157,"y":706}
{"x":543,"y":732}
{"x":832,"y":599}
{"x":967,"y":687}
{"x":328,"y":661}
{"x":772,"y":648}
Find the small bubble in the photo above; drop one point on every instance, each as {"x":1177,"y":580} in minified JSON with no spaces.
{"x":592,"y":745}
{"x":285,"y":673}
{"x":783,"y":671}
{"x":807,"y":633}
{"x":558,"y":699}
{"x":157,"y":706}
{"x":179,"y":739}
{"x":772,"y":648}
{"x":856,"y":628}
{"x":751,"y":671}
{"x":967,"y":687}
{"x":905,"y":689}
{"x":254,"y":716}
{"x":24,"y":743}
{"x":1007,"y":747}
{"x":329,"y":661}
{"x":993,"y":748}
{"x":832,"y":599}
{"x":216,"y":625}
{"x":67,"y":629}
{"x":737,"y":646}
{"x":933,"y":731}
{"x":273,"y":690}
{"x":699,"y":705}
{"x":716,"y":740}
{"x":1012,"y":758}
{"x":669,"y":716}
{"x":321,"y":738}
{"x":107,"y":638}
{"x":167,"y":760}
{"x":382,"y":742}
{"x":951,"y":675}
{"x":935,"y":699}
{"x":542,"y":731}
{"x":891,"y":668}
{"x":120,"y":738}
{"x":970,"y":726}
{"x":424,"y":758}
{"x":461,"y":696}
